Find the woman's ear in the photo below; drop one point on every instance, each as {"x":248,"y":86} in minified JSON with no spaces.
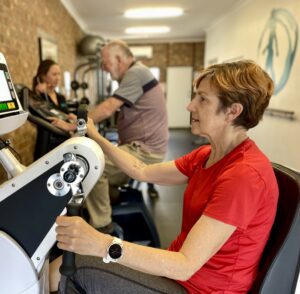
{"x":233,"y":111}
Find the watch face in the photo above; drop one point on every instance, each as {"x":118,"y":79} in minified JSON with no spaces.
{"x":115,"y":251}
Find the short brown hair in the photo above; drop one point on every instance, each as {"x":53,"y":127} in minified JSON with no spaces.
{"x":242,"y":82}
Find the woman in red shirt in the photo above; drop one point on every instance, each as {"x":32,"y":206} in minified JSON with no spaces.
{"x":229,"y":203}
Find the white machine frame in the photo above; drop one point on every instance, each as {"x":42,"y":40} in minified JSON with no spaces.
{"x":21,"y":272}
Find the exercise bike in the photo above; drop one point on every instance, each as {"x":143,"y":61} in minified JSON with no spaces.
{"x":33,"y":196}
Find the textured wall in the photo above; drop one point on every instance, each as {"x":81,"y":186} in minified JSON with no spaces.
{"x":22,"y":22}
{"x":175,"y":54}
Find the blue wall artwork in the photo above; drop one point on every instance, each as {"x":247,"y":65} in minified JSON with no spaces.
{"x":277,"y":46}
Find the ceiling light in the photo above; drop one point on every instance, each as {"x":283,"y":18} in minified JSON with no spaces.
{"x":153,"y":12}
{"x":147,"y":30}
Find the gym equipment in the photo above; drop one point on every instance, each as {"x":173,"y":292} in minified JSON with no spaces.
{"x":34,"y":196}
{"x":133,"y":216}
{"x":34,"y":114}
{"x":48,"y":136}
{"x":152,"y":192}
{"x":90,"y":47}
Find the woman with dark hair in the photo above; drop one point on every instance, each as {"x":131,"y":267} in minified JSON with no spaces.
{"x":45,"y":81}
{"x":48,"y":104}
{"x":229,"y":203}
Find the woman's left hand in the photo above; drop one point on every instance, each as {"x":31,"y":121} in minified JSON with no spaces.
{"x":75,"y":235}
{"x":72,"y":116}
{"x":61,"y":124}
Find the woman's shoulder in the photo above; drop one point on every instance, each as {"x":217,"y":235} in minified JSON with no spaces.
{"x":250,"y":160}
{"x":199,"y":152}
{"x":193,"y":159}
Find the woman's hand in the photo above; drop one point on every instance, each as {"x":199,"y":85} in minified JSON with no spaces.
{"x":61,"y":124}
{"x":72,"y":117}
{"x":92,"y":131}
{"x":75,"y":235}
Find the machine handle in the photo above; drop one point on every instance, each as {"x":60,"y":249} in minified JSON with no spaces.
{"x":82,"y":112}
{"x":82,"y":118}
{"x":68,"y":266}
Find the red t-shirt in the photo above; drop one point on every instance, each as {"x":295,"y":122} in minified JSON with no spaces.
{"x":240,"y":190}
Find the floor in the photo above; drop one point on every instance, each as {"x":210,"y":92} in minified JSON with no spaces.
{"x":167,"y":208}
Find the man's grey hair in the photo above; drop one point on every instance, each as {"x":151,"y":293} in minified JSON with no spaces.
{"x":121,"y":46}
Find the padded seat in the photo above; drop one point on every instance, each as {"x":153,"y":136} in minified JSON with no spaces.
{"x":279,"y":266}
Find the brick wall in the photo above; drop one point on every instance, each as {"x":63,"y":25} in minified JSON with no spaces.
{"x":22,"y":22}
{"x":175,"y":54}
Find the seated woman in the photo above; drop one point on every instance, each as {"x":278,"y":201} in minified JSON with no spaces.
{"x":48,"y":103}
{"x":228,"y":208}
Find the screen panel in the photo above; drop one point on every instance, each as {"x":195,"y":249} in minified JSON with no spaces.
{"x":8,"y":99}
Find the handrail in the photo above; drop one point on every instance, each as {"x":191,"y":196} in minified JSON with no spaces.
{"x":281,"y":113}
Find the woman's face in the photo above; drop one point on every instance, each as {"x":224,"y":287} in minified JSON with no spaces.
{"x":53,"y":76}
{"x":207,"y":119}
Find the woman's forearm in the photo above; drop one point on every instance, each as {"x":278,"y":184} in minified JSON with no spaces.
{"x":173,"y":265}
{"x":75,"y":235}
{"x":125,"y":161}
{"x":164,"y":173}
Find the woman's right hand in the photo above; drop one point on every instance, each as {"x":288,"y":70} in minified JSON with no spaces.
{"x":92,"y":131}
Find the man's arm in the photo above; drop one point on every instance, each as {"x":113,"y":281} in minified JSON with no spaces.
{"x":105,"y":109}
{"x":99,"y":113}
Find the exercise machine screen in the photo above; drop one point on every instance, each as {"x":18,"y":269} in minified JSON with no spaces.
{"x":8,"y":100}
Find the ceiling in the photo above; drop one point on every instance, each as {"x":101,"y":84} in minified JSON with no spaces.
{"x":105,"y":18}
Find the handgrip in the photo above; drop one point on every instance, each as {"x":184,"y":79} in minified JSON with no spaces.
{"x":82,"y":118}
{"x":82,"y":112}
{"x":68,"y":267}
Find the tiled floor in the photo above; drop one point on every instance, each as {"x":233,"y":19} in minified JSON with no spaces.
{"x":166,"y":209}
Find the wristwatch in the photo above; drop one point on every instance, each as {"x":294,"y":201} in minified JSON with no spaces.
{"x":114,"y":251}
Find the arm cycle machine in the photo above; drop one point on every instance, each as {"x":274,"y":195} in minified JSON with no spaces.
{"x":33,"y":196}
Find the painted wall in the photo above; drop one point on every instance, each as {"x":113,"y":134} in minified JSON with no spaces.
{"x":266,"y":31}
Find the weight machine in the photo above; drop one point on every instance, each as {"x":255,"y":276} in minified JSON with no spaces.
{"x":89,"y":47}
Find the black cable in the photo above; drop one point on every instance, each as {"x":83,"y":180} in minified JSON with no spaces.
{"x":6,"y":144}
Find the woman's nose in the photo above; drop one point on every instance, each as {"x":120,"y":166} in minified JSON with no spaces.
{"x":190,"y":107}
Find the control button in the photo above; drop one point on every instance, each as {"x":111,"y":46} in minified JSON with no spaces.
{"x":10,"y":85}
{"x":7,"y":75}
{"x":11,"y":105}
{"x":3,"y":106}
